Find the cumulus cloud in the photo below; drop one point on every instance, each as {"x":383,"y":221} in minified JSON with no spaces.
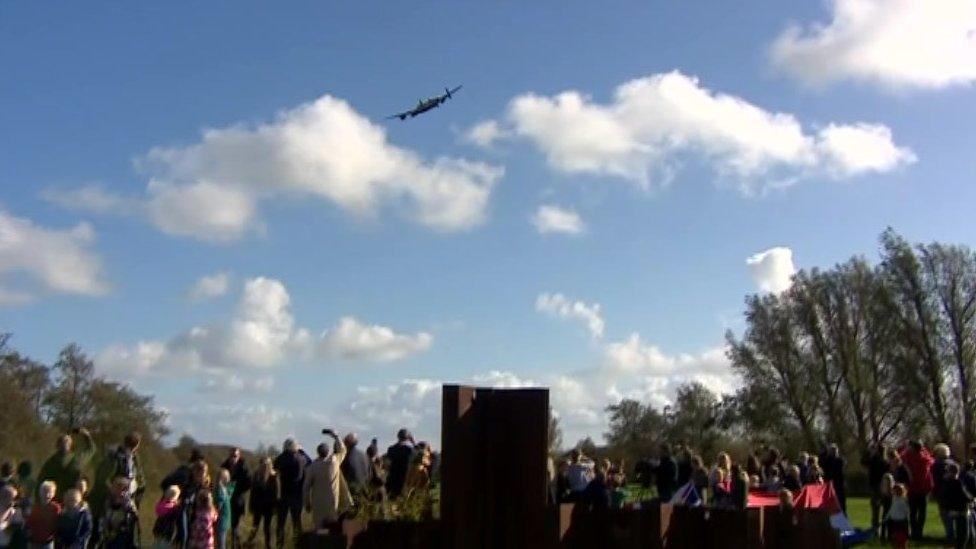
{"x":925,"y":44}
{"x":353,"y":340}
{"x":560,"y":306}
{"x":485,"y":133}
{"x":260,"y":336}
{"x":772,"y":269}
{"x":550,"y":218}
{"x":578,"y":398}
{"x":212,"y":189}
{"x":651,"y":122}
{"x":37,"y":260}
{"x":210,"y":286}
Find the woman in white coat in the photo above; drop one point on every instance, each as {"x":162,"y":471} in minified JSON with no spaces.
{"x":325,"y":490}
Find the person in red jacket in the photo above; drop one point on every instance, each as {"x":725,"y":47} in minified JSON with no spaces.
{"x":918,"y":460}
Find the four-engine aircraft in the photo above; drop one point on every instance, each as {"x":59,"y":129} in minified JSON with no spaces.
{"x":424,"y":105}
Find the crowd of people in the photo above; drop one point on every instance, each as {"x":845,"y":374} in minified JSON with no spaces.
{"x":901,"y":481}
{"x":201,"y":507}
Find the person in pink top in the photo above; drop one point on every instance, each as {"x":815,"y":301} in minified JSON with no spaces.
{"x":918,"y":460}
{"x":202,"y":529}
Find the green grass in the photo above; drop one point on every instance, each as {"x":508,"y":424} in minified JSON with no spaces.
{"x":859,"y":511}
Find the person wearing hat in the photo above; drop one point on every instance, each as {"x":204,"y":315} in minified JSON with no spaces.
{"x":398,"y":456}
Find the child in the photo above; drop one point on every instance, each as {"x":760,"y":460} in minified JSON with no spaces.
{"x":11,"y":519}
{"x":167,"y":515}
{"x":43,"y":520}
{"x":222,"y":496}
{"x":202,"y":529}
{"x":75,"y":523}
{"x":120,"y":524}
{"x":897,"y":517}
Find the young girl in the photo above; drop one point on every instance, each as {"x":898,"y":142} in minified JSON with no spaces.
{"x":75,"y":523}
{"x":167,"y":515}
{"x":202,"y":529}
{"x":223,"y":493}
{"x":43,"y":520}
{"x":897,"y":517}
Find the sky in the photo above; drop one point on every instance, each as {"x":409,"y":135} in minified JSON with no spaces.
{"x":209,"y":199}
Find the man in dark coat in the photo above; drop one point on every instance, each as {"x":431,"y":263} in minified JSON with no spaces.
{"x":833,"y":470}
{"x":666,"y":475}
{"x":876,"y":465}
{"x":355,"y":468}
{"x":399,"y":456}
{"x":290,"y":465}
{"x":242,"y":484}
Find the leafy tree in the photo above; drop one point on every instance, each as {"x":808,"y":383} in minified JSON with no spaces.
{"x":69,"y":402}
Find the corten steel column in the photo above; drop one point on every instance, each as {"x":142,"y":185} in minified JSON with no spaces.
{"x":493,"y":470}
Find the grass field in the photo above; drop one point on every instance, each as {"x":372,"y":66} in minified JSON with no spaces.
{"x":859,"y":511}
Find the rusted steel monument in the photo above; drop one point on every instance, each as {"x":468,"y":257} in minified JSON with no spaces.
{"x":494,"y":477}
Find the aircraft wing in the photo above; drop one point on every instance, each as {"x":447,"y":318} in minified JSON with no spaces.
{"x":401,"y":115}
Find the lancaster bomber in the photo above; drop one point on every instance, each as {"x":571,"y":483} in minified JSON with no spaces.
{"x":424,"y":105}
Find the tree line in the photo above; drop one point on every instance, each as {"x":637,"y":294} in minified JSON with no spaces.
{"x":854,"y":354}
{"x":43,"y":401}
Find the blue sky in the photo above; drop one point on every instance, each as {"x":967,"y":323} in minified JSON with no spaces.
{"x":663,"y":213}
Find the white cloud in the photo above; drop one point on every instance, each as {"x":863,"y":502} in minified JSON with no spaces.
{"x":860,"y":148}
{"x":485,"y":133}
{"x":560,"y":306}
{"x":91,"y":198}
{"x":642,"y":133}
{"x":352,"y":340}
{"x":212,"y":189}
{"x":210,"y":286}
{"x":895,"y":43}
{"x":260,"y":336}
{"x":550,"y":218}
{"x":578,"y":398}
{"x":772,"y":269}
{"x":36,"y":260}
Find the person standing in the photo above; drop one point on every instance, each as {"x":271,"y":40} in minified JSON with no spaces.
{"x":876,"y":465}
{"x":11,"y":519}
{"x":204,"y":519}
{"x":833,"y":470}
{"x":74,"y":526}
{"x":399,"y":456}
{"x":355,"y":467}
{"x":122,"y":462}
{"x":241,"y":478}
{"x":43,"y":520}
{"x":943,"y":459}
{"x":290,"y":465}
{"x":222,"y":495}
{"x":918,"y":461}
{"x":666,"y":474}
{"x":264,"y":499}
{"x":67,"y":463}
{"x":955,"y":502}
{"x":578,"y":474}
{"x":325,"y":492}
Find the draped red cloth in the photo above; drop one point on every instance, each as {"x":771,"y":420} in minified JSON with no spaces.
{"x":811,"y":496}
